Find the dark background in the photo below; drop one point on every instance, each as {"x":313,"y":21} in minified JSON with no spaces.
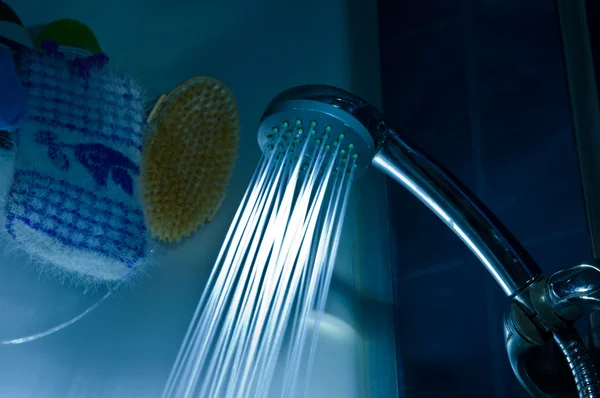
{"x":481,"y":86}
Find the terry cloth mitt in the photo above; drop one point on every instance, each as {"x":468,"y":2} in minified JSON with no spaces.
{"x":73,"y":203}
{"x":13,"y":101}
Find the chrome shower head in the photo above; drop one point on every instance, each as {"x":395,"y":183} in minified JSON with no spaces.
{"x":330,"y":114}
{"x":335,"y":111}
{"x":326,"y":113}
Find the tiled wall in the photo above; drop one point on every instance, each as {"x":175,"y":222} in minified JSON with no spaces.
{"x":480,"y":85}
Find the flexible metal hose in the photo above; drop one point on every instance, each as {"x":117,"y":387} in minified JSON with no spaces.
{"x":582,"y":368}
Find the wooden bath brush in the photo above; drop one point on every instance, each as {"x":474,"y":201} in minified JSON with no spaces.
{"x":189,"y":157}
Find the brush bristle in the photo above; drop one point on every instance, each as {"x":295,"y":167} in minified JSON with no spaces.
{"x":189,"y":158}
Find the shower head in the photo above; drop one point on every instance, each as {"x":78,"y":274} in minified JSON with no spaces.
{"x":333,"y":111}
{"x":328,"y":113}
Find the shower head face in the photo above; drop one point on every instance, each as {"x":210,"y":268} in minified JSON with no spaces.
{"x":323,"y":113}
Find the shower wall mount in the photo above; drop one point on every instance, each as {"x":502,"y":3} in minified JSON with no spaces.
{"x":544,"y":349}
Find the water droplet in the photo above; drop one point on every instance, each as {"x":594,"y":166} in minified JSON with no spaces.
{"x":342,"y":151}
{"x":298,"y":122}
{"x":276,"y":130}
{"x":327,"y":128}
{"x":350,"y":146}
{"x":355,"y":156}
{"x":341,"y":136}
{"x":285,"y":124}
{"x":313,"y":123}
{"x":300,"y":131}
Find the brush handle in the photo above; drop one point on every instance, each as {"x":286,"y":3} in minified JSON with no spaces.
{"x":156,"y":108}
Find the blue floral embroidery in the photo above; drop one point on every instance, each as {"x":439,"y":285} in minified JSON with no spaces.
{"x":122,"y":178}
{"x":100,"y":160}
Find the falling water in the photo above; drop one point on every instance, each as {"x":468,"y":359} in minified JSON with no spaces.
{"x":273,"y":271}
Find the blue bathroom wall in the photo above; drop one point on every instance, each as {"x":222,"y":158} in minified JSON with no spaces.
{"x":481,"y":86}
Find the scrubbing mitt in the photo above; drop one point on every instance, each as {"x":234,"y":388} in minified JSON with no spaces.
{"x":189,"y":157}
{"x":73,"y":203}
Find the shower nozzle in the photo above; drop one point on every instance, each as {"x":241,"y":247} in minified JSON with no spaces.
{"x":326,"y":113}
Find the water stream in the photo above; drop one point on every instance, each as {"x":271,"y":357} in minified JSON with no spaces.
{"x":272,"y":273}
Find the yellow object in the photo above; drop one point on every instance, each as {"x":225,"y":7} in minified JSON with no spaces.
{"x":69,"y":33}
{"x":189,"y":157}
